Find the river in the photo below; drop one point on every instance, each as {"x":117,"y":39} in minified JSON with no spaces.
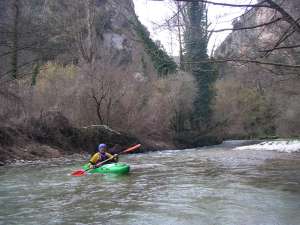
{"x":217,"y":185}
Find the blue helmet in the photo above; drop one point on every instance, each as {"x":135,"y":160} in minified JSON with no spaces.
{"x":101,"y":146}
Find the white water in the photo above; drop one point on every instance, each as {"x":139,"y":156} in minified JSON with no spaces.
{"x":287,"y":146}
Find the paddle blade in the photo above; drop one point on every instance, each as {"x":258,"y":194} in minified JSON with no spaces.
{"x":131,"y":149}
{"x":78,"y":173}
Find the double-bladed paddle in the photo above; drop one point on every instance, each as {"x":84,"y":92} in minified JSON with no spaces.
{"x":81,"y":172}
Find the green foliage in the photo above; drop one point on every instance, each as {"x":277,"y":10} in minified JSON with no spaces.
{"x":35,"y":73}
{"x":196,"y":33}
{"x":144,"y":66}
{"x":163,"y":63}
{"x":205,"y":76}
{"x":196,"y":41}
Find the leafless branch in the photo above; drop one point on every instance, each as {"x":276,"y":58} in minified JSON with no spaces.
{"x":285,"y":36}
{"x":259,"y":5}
{"x":282,"y":47}
{"x":286,"y":16}
{"x":236,"y":60}
{"x":247,"y":28}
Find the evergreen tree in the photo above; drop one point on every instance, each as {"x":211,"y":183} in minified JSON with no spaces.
{"x":162,"y":62}
{"x":196,"y":40}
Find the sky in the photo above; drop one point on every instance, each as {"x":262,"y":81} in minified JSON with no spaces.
{"x":153,"y":13}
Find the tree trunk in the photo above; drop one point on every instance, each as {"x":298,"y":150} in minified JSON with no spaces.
{"x":179,"y":38}
{"x":15,"y":38}
{"x":90,"y":17}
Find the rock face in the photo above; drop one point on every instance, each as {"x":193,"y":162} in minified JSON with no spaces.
{"x":118,"y":35}
{"x":119,"y":41}
{"x":253,"y":43}
{"x":103,"y":27}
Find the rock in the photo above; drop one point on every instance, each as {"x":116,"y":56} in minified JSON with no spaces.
{"x":52,"y":152}
{"x":43,"y":151}
{"x":52,"y":136}
{"x":113,"y":40}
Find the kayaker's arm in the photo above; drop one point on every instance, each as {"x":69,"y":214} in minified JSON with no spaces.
{"x":94,"y":159}
{"x":113,"y":158}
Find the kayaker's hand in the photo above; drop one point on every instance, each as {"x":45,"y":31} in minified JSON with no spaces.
{"x":115,"y":158}
{"x":92,"y":167}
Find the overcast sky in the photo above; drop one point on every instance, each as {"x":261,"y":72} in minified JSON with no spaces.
{"x":152,"y":13}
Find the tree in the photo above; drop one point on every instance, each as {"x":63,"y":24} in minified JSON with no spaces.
{"x":10,"y":35}
{"x":263,"y":53}
{"x":163,"y":63}
{"x":280,"y":14}
{"x":196,"y":40}
{"x":25,"y":37}
{"x":15,"y":38}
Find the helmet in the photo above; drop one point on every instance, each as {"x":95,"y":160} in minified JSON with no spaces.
{"x":101,"y":146}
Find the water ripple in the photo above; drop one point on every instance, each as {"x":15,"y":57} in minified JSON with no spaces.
{"x":216,"y":185}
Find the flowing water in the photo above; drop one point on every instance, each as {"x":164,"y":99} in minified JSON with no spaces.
{"x":211,"y":186}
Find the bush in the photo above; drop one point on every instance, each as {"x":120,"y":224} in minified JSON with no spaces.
{"x":243,"y":111}
{"x":150,"y":108}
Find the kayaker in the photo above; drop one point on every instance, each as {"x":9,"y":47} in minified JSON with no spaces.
{"x":101,"y":155}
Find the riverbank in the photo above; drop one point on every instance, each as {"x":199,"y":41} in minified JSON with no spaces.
{"x":52,"y":136}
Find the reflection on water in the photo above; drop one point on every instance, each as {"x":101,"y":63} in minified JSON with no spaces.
{"x":214,"y":185}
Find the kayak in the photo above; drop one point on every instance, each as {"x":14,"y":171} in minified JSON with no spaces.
{"x":111,"y":168}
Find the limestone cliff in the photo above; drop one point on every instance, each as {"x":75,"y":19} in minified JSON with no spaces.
{"x":71,"y":31}
{"x":255,"y":43}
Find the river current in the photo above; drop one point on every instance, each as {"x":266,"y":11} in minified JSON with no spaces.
{"x":217,"y":185}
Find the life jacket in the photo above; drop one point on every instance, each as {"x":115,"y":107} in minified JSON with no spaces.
{"x":103,"y":156}
{"x":98,"y":157}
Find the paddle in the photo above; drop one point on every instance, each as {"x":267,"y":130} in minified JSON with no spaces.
{"x":81,"y":172}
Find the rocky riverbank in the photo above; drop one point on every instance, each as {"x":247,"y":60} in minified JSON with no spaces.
{"x":52,"y":136}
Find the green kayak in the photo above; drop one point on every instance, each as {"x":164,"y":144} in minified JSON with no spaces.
{"x":111,"y":168}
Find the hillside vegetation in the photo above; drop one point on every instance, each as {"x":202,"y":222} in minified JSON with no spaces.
{"x":94,"y":63}
{"x":254,"y":99}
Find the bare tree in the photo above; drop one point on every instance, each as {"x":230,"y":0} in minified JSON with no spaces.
{"x":280,"y":15}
